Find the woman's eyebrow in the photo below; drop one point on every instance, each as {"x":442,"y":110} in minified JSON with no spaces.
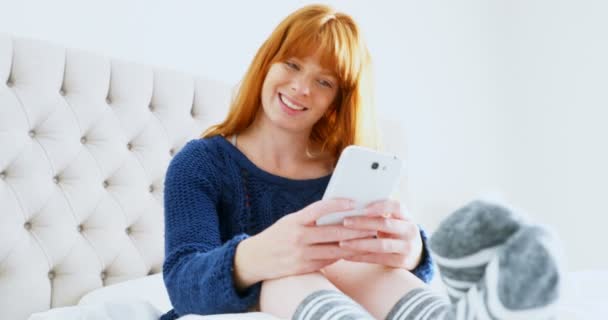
{"x":330,"y":74}
{"x":327,"y":72}
{"x":323,"y":71}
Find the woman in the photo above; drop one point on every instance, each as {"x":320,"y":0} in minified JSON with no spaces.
{"x":241,"y":202}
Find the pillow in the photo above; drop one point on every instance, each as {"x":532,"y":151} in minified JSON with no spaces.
{"x":149,"y":289}
{"x":232,"y":316}
{"x":143,"y":298}
{"x":125,"y":310}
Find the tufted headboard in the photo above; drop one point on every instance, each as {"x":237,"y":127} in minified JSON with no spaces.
{"x":84,"y":145}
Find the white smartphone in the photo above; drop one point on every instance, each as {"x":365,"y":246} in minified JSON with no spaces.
{"x":364,"y":175}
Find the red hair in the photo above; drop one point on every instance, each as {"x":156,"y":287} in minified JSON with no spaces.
{"x":336,"y":36}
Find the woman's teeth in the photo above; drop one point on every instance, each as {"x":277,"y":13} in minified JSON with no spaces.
{"x":290,"y":105}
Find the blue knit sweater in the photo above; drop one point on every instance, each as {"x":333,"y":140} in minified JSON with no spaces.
{"x":214,"y":198}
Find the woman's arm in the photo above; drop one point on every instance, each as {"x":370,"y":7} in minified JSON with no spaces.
{"x":246,"y":263}
{"x":425,"y":269}
{"x":198,"y":268}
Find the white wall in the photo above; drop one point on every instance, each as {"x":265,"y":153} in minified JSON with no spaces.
{"x":505,"y":98}
{"x":554,"y":72}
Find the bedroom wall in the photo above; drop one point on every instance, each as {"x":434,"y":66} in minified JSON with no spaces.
{"x":554,"y":73}
{"x":497,"y":99}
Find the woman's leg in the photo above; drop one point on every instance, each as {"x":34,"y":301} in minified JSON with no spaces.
{"x":375,"y":287}
{"x":510,"y":272}
{"x":308,"y":296}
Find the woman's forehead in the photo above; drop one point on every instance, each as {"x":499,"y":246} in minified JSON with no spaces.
{"x":317,"y":61}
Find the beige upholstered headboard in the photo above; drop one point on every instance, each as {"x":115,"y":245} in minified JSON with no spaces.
{"x":84,"y":144}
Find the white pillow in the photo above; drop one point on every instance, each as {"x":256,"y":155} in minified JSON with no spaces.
{"x":232,"y":316}
{"x":144,"y":298}
{"x":149,"y":289}
{"x":134,"y":294}
{"x":126,"y":310}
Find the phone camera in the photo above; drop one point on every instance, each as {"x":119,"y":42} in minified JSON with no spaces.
{"x":375,"y":165}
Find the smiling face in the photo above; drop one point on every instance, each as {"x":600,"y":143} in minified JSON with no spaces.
{"x":297,"y":92}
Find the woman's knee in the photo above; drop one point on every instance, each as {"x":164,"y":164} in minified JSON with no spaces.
{"x":282,"y":296}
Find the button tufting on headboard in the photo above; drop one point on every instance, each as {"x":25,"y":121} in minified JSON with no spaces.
{"x":82,"y":165}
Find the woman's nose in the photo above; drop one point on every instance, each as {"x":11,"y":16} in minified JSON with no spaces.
{"x":300,"y":85}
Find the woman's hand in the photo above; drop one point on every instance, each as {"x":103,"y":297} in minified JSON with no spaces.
{"x":398,"y":244}
{"x":295,"y":245}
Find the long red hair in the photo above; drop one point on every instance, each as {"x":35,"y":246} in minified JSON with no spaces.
{"x":311,"y":29}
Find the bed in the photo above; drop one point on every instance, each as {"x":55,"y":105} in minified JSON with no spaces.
{"x":84,"y":145}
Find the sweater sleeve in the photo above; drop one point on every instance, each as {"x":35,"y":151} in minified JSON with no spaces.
{"x":198,"y":267}
{"x":425,"y":269}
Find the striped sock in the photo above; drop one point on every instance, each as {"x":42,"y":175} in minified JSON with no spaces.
{"x":467,"y":240}
{"x":521,"y":282}
{"x":330,"y":305}
{"x":420,"y":304}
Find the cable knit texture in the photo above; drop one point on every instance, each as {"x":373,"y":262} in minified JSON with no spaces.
{"x":215,"y":197}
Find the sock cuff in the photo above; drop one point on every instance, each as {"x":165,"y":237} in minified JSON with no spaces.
{"x":330,"y":305}
{"x":419,"y":303}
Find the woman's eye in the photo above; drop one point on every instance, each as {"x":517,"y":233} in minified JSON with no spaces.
{"x":325,"y":83}
{"x":292,"y":65}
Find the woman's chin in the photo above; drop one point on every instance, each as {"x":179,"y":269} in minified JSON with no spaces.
{"x":291,"y":126}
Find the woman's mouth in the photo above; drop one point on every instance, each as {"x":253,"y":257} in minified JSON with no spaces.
{"x":289,"y":106}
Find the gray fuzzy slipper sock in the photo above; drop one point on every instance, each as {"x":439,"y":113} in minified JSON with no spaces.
{"x":467,"y":240}
{"x":521,"y":282}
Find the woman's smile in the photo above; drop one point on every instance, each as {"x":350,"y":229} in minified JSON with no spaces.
{"x":289,"y":106}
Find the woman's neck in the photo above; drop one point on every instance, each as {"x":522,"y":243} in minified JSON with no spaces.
{"x":272,"y":144}
{"x":281,"y":152}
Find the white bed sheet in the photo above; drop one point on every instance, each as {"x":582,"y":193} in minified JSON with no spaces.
{"x":585,"y":297}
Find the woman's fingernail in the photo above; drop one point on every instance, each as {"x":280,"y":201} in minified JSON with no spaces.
{"x":349,"y":204}
{"x":348,"y":222}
